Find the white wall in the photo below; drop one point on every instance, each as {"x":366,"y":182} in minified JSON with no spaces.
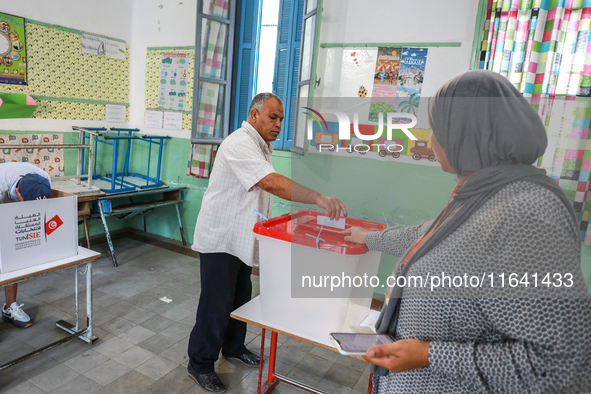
{"x":387,"y":21}
{"x":381,"y":21}
{"x":106,"y":17}
{"x":171,"y":23}
{"x":156,"y":23}
{"x":110,"y":18}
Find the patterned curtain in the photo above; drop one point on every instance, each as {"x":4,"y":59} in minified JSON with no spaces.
{"x":212,"y":65}
{"x":543,"y":47}
{"x":201,"y":159}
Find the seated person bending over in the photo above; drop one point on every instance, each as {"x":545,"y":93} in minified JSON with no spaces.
{"x":20,"y":182}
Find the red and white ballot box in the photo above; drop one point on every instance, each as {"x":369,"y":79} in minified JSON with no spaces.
{"x":39,"y":231}
{"x":313,"y":282}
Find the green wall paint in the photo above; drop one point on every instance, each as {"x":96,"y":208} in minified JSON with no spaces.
{"x":406,"y":193}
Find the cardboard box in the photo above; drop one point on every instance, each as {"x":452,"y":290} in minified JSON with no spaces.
{"x":38,"y":232}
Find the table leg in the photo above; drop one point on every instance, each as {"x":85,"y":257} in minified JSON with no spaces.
{"x":178,"y":214}
{"x":272,"y":355}
{"x":89,"y":303}
{"x":86,"y":334}
{"x":86,"y":232}
{"x":76,"y":328}
{"x":104,"y":219}
{"x":262,"y":360}
{"x":268,"y":386}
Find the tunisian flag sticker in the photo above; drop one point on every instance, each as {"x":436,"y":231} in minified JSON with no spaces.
{"x":53,"y":224}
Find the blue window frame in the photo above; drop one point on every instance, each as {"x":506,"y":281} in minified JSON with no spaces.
{"x":287,"y":60}
{"x":246,"y":54}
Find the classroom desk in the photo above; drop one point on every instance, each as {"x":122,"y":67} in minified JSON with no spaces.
{"x":251,"y":314}
{"x":122,"y":206}
{"x":84,"y":256}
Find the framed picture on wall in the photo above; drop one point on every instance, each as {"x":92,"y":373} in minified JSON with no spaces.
{"x":13,"y":53}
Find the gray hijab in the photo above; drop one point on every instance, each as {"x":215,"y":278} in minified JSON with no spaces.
{"x":489,"y":131}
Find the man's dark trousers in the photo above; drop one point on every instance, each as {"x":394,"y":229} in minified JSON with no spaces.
{"x":225,"y":286}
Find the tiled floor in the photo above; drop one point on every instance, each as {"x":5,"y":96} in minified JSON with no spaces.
{"x":142,"y":343}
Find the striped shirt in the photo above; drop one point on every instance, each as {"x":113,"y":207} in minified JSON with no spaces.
{"x":227,"y":217}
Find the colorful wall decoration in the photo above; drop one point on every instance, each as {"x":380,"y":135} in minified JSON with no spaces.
{"x":398,"y":80}
{"x":153,"y":62}
{"x":385,"y":81}
{"x":173,"y":81}
{"x":50,"y":160}
{"x":76,"y":87}
{"x":13,"y":52}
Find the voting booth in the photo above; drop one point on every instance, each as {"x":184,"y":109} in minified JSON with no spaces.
{"x":303,"y":257}
{"x":39,"y":231}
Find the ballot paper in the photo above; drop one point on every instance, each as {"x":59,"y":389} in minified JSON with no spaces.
{"x":325,"y":221}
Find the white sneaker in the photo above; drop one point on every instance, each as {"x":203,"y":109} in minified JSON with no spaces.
{"x":17,"y":316}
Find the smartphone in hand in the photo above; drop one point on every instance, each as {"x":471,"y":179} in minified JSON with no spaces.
{"x":351,"y":344}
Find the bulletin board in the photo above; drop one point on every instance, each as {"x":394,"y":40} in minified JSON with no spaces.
{"x":153,"y":60}
{"x":66,"y":83}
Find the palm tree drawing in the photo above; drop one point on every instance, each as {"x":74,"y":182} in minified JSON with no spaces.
{"x":410,"y":104}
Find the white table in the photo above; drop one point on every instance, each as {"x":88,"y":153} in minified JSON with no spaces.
{"x":251,"y":314}
{"x":84,"y":256}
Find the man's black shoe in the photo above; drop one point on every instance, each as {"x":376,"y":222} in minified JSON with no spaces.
{"x":208,"y":381}
{"x":248,"y":358}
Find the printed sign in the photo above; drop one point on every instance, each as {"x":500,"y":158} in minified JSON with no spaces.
{"x":173,"y":81}
{"x":173,"y":120}
{"x":13,"y":53}
{"x":37,"y":232}
{"x":154,"y":119}
{"x":93,"y":45}
{"x":115,"y":49}
{"x":116,"y":113}
{"x":385,"y":81}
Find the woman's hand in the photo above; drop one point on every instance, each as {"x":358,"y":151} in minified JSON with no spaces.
{"x":355,"y":235}
{"x":400,"y":356}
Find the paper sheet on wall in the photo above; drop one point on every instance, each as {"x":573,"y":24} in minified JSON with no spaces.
{"x":385,"y":81}
{"x":154,"y":119}
{"x":93,"y":45}
{"x":173,"y":81}
{"x":115,"y":113}
{"x":115,"y":49}
{"x":173,"y":120}
{"x":398,"y":80}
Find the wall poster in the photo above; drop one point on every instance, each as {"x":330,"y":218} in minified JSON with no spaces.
{"x":385,"y":81}
{"x":172,"y":94}
{"x":398,"y":80}
{"x":13,"y":54}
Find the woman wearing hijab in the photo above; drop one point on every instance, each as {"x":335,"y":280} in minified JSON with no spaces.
{"x":504,"y":217}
